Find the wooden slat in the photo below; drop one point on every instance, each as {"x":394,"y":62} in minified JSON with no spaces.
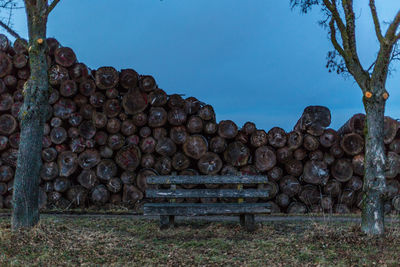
{"x":217,"y":179}
{"x":195,"y":209}
{"x":206,"y":193}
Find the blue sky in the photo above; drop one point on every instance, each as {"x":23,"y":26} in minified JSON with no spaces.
{"x":253,"y":60}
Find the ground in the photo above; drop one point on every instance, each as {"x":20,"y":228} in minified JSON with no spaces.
{"x":135,"y":241}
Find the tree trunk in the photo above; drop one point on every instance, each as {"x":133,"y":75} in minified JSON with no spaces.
{"x":374,"y":179}
{"x":33,"y":114}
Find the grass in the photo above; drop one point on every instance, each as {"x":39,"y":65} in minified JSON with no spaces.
{"x":123,"y":241}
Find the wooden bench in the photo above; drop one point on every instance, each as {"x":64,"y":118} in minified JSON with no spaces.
{"x":168,"y":211}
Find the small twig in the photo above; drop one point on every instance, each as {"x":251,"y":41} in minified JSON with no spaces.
{"x":9,"y":30}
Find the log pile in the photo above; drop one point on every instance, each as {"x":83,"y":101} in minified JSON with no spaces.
{"x":108,"y":130}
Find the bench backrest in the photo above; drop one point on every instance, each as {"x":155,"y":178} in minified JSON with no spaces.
{"x":239,"y":192}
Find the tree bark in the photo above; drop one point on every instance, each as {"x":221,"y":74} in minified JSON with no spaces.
{"x":33,"y":113}
{"x":374,"y":177}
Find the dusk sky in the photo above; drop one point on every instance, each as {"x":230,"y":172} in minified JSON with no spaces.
{"x":252,"y":60}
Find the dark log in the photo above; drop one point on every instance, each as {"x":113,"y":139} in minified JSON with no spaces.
{"x":165,"y":147}
{"x":176,"y":116}
{"x":134,"y":101}
{"x":122,"y":116}
{"x":355,"y":183}
{"x":192,"y":105}
{"x":3,"y":88}
{"x":13,"y":140}
{"x":3,"y":189}
{"x":52,"y":45}
{"x":49,"y":171}
{"x":100,"y":195}
{"x":56,"y":122}
{"x":46,"y":142}
{"x":241,"y":137}
{"x":112,"y":108}
{"x":106,"y":169}
{"x":128,"y":78}
{"x":310,"y":142}
{"x":237,"y":154}
{"x":157,"y":117}
{"x":3,"y":143}
{"x":87,"y":179}
{"x":11,"y":81}
{"x":333,"y":188}
{"x":315,"y":172}
{"x":327,"y":203}
{"x":354,"y":125}
{"x":145,"y":132}
{"x":227,"y":129}
{"x":62,"y":184}
{"x":289,"y":185}
{"x":218,"y":144}
{"x":128,"y":177}
{"x":160,"y":133}
{"x":112,"y":93}
{"x":80,"y":100}
{"x":99,"y":119}
{"x":277,"y":137}
{"x":67,"y":163}
{"x":87,"y":129}
{"x":115,"y":141}
{"x":147,"y":161}
{"x":249,"y":128}
{"x":175,"y":101}
{"x":342,"y":170}
{"x":97,"y":99}
{"x":54,"y":197}
{"x":296,"y":208}
{"x":210,"y":128}
{"x":57,"y":74}
{"x":180,"y":161}
{"x":54,"y":97}
{"x":336,"y":151}
{"x":329,"y":159}
{"x":87,"y":87}
{"x":294,"y":140}
{"x":6,"y":173}
{"x":77,"y":195}
{"x":20,"y":46}
{"x":8,"y":202}
{"x":20,"y":61}
{"x":18,"y":95}
{"x":314,"y":120}
{"x":282,"y":200}
{"x":58,"y":135}
{"x":6,"y":64}
{"x":132,"y":140}
{"x":316,"y":155}
{"x":89,"y":158}
{"x":396,"y":202}
{"x":114,"y":185}
{"x":113,"y":125}
{"x":352,"y":144}
{"x":68,"y":88}
{"x":210,"y":163}
{"x":140,"y":119}
{"x":141,"y":178}
{"x":163,"y":165}
{"x":106,"y":77}
{"x":259,"y":138}
{"x":64,"y":108}
{"x":392,"y":188}
{"x":131,"y":194}
{"x":147,"y":83}
{"x":195,"y":146}
{"x":64,"y":56}
{"x":284,"y":154}
{"x":6,"y":102}
{"x":59,"y":148}
{"x":23,"y":74}
{"x":158,"y":98}
{"x":299,"y":154}
{"x":79,"y":72}
{"x":194,"y":124}
{"x":347,"y":197}
{"x":392,"y":165}
{"x":390,"y":129}
{"x":8,"y":124}
{"x":128,"y":128}
{"x":48,"y":186}
{"x":178,"y":134}
{"x":207,"y":113}
{"x":4,"y":43}
{"x":90,"y":143}
{"x":73,"y":132}
{"x":128,"y":158}
{"x":265,"y":158}
{"x":294,"y":167}
{"x":275,"y":174}
{"x":395,"y":146}
{"x":310,"y":195}
{"x":49,"y":154}
{"x":328,"y":138}
{"x":148,"y":145}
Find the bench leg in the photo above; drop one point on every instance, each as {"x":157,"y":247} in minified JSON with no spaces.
{"x":242,"y":219}
{"x":164,"y":222}
{"x":249,"y":223}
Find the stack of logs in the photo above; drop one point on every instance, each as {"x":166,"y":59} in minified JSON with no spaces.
{"x":107,"y":131}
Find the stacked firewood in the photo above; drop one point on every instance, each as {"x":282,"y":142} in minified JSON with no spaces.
{"x":108,"y":130}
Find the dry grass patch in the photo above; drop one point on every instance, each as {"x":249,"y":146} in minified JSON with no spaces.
{"x":122,"y":241}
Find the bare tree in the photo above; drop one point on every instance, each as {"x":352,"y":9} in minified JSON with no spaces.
{"x":33,"y":112}
{"x":340,"y":19}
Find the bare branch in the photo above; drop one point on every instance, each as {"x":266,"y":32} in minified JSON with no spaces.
{"x":334,"y":41}
{"x":52,"y":6}
{"x":378,"y":30}
{"x":390,"y":35}
{"x":9,"y":30}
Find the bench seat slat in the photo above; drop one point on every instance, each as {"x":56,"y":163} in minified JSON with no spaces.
{"x":220,"y":179}
{"x":207,"y":193}
{"x":197,"y":209}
